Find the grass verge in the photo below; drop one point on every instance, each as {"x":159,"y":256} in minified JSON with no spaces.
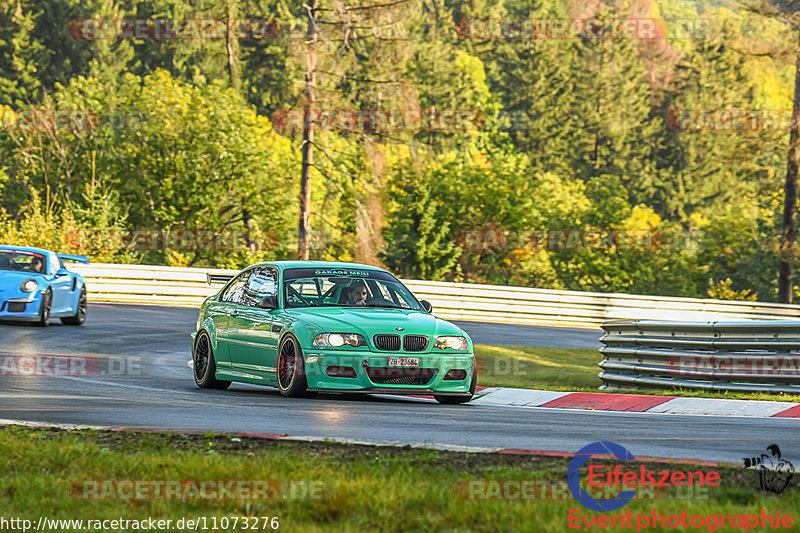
{"x":573,"y":369}
{"x":361,"y":488}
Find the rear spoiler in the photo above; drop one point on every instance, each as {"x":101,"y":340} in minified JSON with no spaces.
{"x":73,"y":258}
{"x":218,"y":278}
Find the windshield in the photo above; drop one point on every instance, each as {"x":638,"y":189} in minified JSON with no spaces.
{"x":21,"y":261}
{"x":346,"y":287}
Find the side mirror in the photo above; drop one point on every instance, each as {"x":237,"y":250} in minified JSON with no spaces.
{"x":426,"y":305}
{"x":270,"y":301}
{"x":62,"y":272}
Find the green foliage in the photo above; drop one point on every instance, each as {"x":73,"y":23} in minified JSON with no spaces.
{"x":420,"y":247}
{"x":18,"y":50}
{"x":167,"y":155}
{"x":57,"y":229}
{"x":721,"y":290}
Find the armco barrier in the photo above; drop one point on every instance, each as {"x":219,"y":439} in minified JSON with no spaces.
{"x":147,"y":284}
{"x":458,"y":301}
{"x":738,"y":356}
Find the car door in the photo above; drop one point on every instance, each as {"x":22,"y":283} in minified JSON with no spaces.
{"x":254,"y":331}
{"x":60,"y":284}
{"x":223,"y":313}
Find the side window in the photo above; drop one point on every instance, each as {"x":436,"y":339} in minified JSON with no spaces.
{"x":235,"y":290}
{"x":263,"y":281}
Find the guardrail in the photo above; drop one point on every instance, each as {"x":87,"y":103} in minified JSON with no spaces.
{"x":457,"y":301}
{"x":737,"y":356}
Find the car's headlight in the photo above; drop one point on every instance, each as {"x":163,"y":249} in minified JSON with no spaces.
{"x":339,"y":339}
{"x":451,"y":342}
{"x":28,"y":285}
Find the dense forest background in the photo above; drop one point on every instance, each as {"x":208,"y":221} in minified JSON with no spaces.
{"x":575,"y":133}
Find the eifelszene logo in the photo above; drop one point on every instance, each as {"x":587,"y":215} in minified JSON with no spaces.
{"x":637,"y":476}
{"x":774,"y":472}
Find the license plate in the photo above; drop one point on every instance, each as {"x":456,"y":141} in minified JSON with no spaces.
{"x":404,"y":361}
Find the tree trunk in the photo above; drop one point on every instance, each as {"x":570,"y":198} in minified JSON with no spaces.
{"x":786,"y":269}
{"x":232,"y":46}
{"x":304,"y":229}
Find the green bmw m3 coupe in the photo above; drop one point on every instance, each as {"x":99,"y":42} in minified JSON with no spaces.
{"x":312,"y":326}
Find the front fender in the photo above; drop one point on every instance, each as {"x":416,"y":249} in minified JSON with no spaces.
{"x":303,"y":330}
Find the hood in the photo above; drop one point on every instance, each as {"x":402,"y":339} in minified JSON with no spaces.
{"x":370,"y":321}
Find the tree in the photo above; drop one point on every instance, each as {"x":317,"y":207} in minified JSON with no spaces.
{"x":309,"y":81}
{"x":787,"y":12}
{"x":175,"y":156}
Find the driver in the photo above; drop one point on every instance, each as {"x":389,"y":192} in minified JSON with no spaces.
{"x":357,"y":294}
{"x":37,"y":264}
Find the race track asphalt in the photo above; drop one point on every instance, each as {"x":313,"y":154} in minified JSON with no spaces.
{"x":137,"y":360}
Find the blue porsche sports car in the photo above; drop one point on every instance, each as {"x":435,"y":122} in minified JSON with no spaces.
{"x":35,"y":286}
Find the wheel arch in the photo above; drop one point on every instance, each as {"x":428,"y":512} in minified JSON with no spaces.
{"x":75,"y":295}
{"x":208,"y":328}
{"x":289,"y":333}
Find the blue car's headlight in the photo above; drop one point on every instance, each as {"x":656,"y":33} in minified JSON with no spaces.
{"x":28,"y":285}
{"x":451,"y":342}
{"x":335,"y":340}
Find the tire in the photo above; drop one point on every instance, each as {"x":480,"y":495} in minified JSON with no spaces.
{"x":291,"y":369}
{"x":80,"y":313}
{"x":452,"y":400}
{"x":204,"y":367}
{"x":44,"y":309}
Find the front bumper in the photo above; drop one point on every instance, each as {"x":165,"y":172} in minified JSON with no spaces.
{"x":319,"y":362}
{"x":25,"y":308}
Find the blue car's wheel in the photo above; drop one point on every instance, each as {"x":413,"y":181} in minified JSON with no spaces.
{"x":205,"y":368}
{"x":44,"y":309}
{"x":80,"y":313}
{"x":291,"y":369}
